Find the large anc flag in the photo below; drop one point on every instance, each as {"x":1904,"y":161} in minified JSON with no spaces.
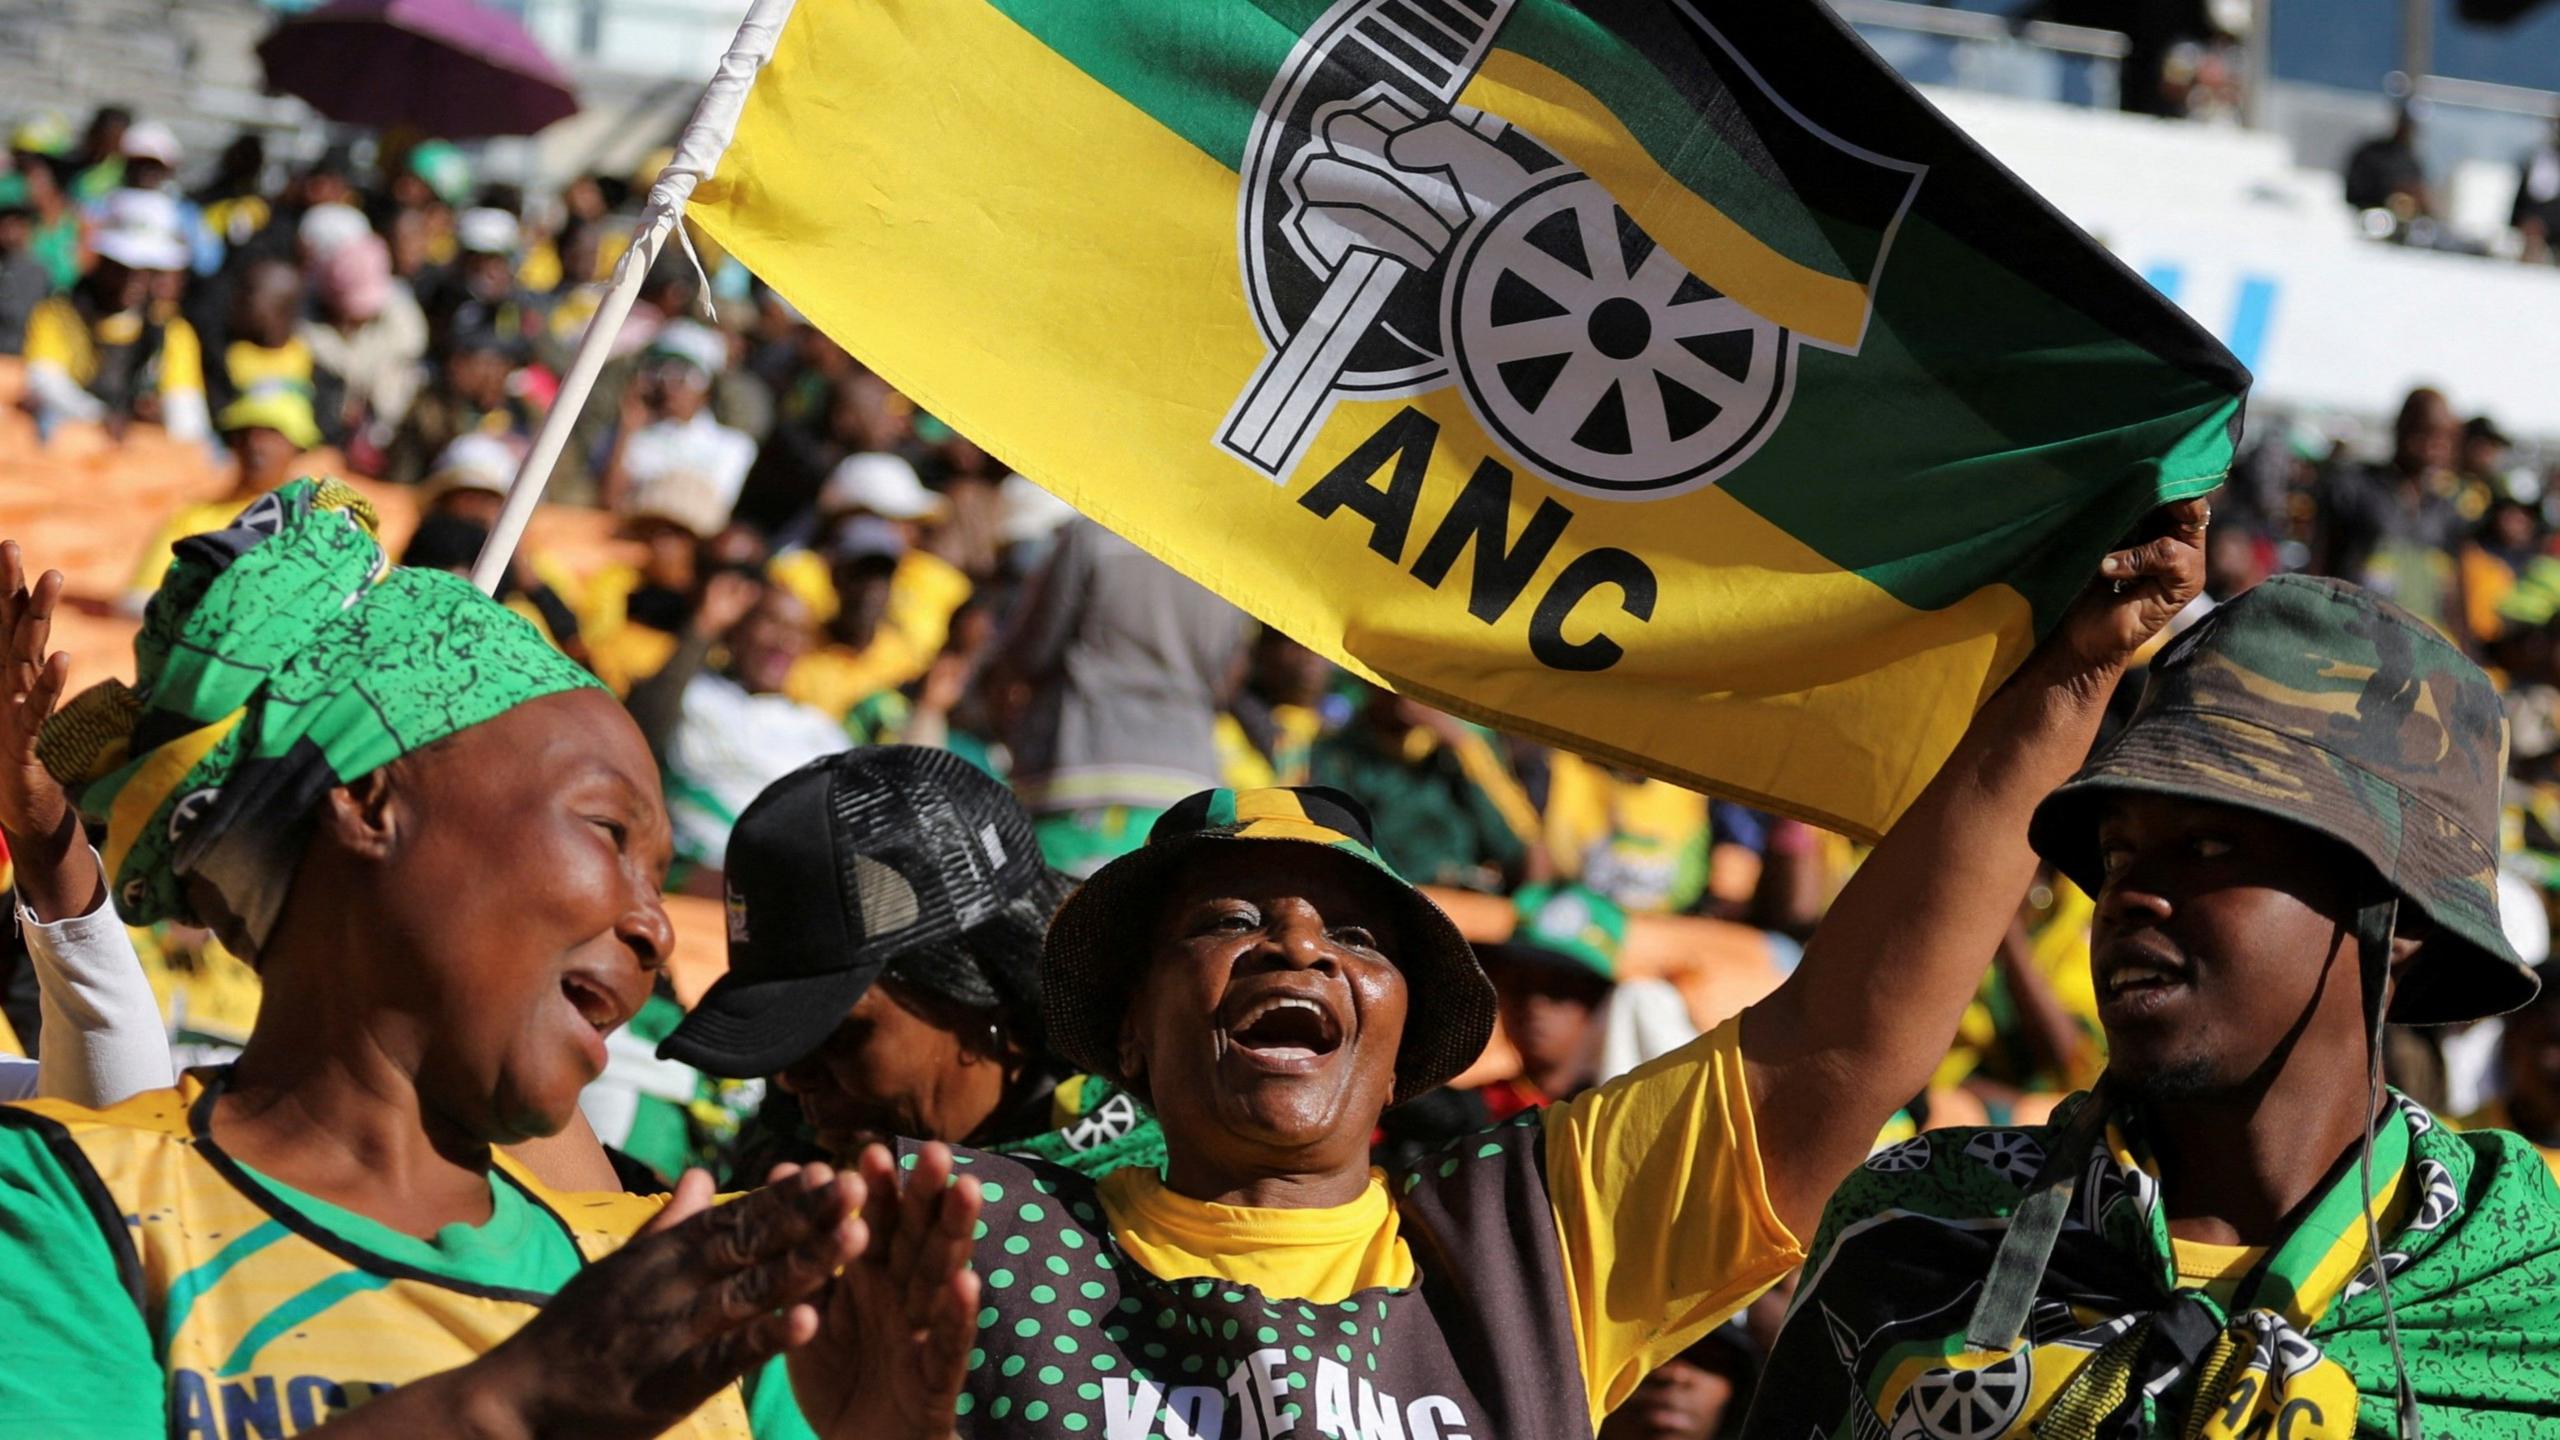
{"x":1662,"y":378}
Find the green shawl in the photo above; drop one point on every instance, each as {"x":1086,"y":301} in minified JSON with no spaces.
{"x":1874,"y":1344}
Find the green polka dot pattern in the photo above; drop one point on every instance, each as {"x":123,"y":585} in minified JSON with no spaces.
{"x":1112,"y":1350}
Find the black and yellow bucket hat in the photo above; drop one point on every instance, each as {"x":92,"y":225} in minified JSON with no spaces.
{"x":1096,"y":947}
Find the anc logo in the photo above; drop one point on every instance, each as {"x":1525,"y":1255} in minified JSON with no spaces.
{"x":1395,"y":241}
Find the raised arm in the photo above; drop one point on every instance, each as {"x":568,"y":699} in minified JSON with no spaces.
{"x":1854,"y":1033}
{"x":102,"y":1038}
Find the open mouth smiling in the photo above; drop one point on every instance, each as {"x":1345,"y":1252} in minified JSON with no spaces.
{"x":1281,"y":1029}
{"x":2135,"y":978}
{"x":596,"y":1001}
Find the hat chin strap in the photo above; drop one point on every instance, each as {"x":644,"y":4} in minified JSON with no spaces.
{"x":2000,"y":1313}
{"x":2376,"y":922}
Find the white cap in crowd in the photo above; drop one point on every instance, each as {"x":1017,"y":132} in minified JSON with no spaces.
{"x":476,"y":461}
{"x":692,"y":342}
{"x":685,"y":498}
{"x":151,"y":140}
{"x":327,"y":229}
{"x":486,"y":230}
{"x":139,"y":229}
{"x":1025,"y":512}
{"x":882,"y":484}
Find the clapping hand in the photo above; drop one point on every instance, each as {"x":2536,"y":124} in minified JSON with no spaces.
{"x":893,"y":1353}
{"x":705,"y":1294}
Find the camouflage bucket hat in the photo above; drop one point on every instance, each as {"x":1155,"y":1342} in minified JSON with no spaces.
{"x":2314,"y":701}
{"x":1096,"y":946}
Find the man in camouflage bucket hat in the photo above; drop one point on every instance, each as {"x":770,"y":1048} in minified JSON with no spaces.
{"x":2296,"y":831}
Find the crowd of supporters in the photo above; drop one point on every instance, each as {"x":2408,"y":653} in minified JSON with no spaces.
{"x":805,"y":563}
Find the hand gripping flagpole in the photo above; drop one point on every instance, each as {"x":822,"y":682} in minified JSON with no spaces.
{"x":706,"y":136}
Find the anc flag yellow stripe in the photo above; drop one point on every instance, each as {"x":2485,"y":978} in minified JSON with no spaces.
{"x":1067,"y":293}
{"x":1569,"y":121}
{"x":161,"y":772}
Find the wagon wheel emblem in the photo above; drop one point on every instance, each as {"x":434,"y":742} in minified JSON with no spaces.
{"x":1902,"y":1159}
{"x":1594,"y":353}
{"x":1970,"y":1404}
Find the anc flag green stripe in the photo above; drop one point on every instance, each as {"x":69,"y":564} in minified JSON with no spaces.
{"x":1985,"y":476}
{"x":1228,"y":49}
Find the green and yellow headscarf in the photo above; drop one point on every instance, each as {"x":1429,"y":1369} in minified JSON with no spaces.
{"x":282,"y":656}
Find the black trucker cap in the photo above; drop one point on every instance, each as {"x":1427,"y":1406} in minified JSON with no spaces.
{"x":838,"y":871}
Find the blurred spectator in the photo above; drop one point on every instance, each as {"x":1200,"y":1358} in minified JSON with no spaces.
{"x":322,"y":184}
{"x":1126,"y":665}
{"x":1280,"y":711}
{"x":2481,"y":468}
{"x":234,"y":201}
{"x":427,"y":186}
{"x":115,"y":350}
{"x":367,"y":340}
{"x":151,"y":159}
{"x":2384,"y":173}
{"x":24,"y":281}
{"x":266,"y":434}
{"x":1641,"y":842}
{"x":479,"y":293}
{"x":666,"y":423}
{"x":2536,"y":213}
{"x":2200,"y":81}
{"x":2529,"y":1062}
{"x":469,"y":480}
{"x":885,"y":599}
{"x":260,"y":348}
{"x":1447,"y":810}
{"x":835,"y":410}
{"x":1554,"y":977}
{"x":471,"y":393}
{"x":631,"y":614}
{"x":2152,"y":28}
{"x":2393,"y":527}
{"x":98,"y":165}
{"x":33,"y":182}
{"x":2508,"y":538}
{"x":577,"y":292}
{"x":723,"y":728}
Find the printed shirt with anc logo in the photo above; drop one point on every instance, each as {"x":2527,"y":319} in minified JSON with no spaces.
{"x":1515,"y":1286}
{"x":2135,"y":1335}
{"x":180,"y":1293}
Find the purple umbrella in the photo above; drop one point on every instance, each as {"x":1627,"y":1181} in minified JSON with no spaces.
{"x":447,"y":68}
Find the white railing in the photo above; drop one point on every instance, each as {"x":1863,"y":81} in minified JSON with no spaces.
{"x":1970,"y":50}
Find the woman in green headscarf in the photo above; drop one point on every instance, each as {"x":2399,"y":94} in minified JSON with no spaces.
{"x":441,"y":843}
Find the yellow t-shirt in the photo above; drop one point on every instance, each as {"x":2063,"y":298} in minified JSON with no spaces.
{"x":57,"y":336}
{"x":923,"y":595}
{"x":621,"y":653}
{"x":260,"y":367}
{"x":1661,"y":1165}
{"x":194,"y":519}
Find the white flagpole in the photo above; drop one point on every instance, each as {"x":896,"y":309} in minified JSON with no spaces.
{"x":698,"y":151}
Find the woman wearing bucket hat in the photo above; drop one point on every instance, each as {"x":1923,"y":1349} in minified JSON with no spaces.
{"x":351,"y":771}
{"x":2292,"y":841}
{"x":886,"y":907}
{"x":1269,"y":986}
